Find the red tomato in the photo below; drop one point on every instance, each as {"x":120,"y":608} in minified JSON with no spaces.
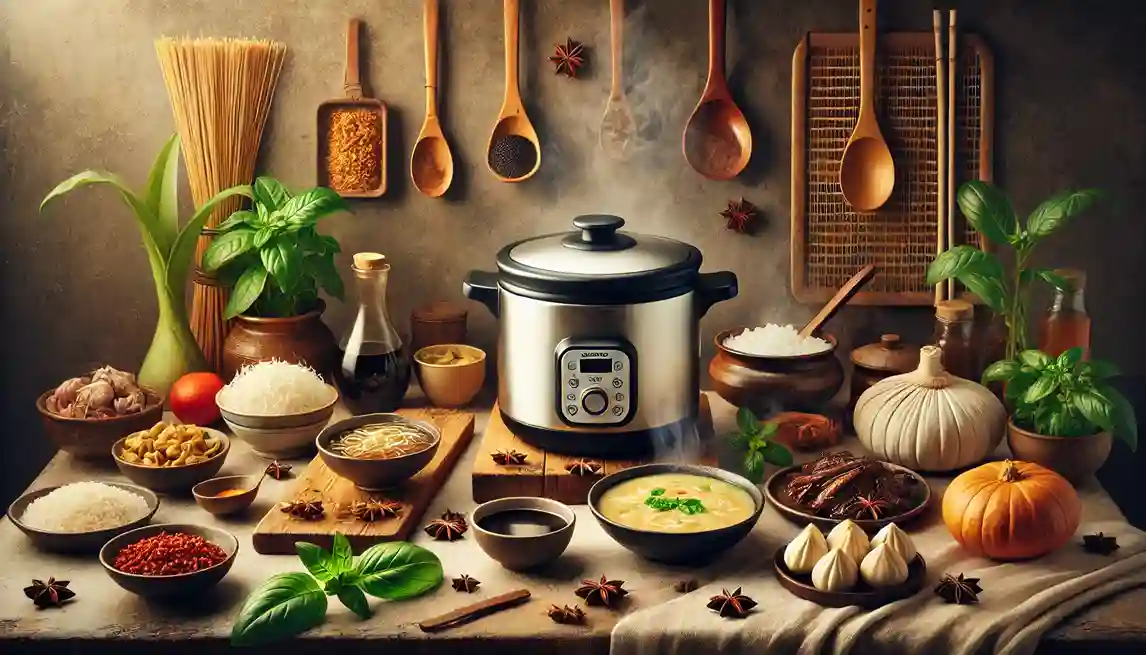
{"x":192,"y":398}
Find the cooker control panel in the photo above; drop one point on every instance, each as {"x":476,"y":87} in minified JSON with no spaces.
{"x":597,"y":382}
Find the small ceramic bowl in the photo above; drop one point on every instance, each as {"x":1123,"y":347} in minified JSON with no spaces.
{"x":92,"y":438}
{"x":280,"y":443}
{"x":450,"y":385}
{"x":277,"y":421}
{"x":691,"y":548}
{"x":206,"y":493}
{"x":169,"y":586}
{"x":77,"y":542}
{"x":376,"y":474}
{"x":173,"y":478}
{"x":523,"y":552}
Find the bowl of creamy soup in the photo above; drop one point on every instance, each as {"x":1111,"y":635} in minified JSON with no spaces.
{"x":676,"y":513}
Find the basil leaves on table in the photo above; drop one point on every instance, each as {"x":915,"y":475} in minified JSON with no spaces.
{"x":291,"y":603}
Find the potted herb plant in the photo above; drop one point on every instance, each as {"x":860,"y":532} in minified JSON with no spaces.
{"x":275,"y":262}
{"x":1065,"y":411}
{"x":170,"y":251}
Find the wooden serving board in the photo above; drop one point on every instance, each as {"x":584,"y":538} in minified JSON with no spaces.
{"x":277,"y":532}
{"x":544,"y":474}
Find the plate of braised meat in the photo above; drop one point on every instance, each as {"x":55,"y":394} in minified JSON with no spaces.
{"x":840,"y":485}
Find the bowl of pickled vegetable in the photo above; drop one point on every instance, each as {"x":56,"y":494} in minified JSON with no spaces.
{"x":171,"y":457}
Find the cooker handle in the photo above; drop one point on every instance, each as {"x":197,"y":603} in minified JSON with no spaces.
{"x":482,"y":287}
{"x":712,"y":288}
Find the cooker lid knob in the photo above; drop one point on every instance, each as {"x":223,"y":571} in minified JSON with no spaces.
{"x":598,"y":232}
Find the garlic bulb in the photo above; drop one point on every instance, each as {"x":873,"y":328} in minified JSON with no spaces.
{"x":850,"y":538}
{"x":929,"y":420}
{"x":802,"y":553}
{"x":896,"y":539}
{"x":883,"y":567}
{"x":836,"y":571}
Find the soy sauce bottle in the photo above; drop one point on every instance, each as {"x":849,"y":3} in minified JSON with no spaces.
{"x":373,"y":371}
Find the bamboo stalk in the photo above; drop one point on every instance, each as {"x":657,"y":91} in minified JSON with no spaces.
{"x":941,"y":139}
{"x":952,"y":104}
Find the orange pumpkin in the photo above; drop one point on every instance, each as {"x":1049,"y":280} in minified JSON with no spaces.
{"x":1011,"y":510}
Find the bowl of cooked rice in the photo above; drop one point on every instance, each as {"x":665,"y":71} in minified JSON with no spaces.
{"x":378,"y":451}
{"x":82,"y":516}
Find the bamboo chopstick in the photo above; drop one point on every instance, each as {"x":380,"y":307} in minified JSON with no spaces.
{"x":952,"y":103}
{"x":940,"y":137}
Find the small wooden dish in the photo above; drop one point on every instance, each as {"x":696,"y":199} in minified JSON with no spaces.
{"x":861,"y":595}
{"x":778,"y":497}
{"x":206,"y":493}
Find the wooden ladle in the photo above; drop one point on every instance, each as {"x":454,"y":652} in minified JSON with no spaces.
{"x":867,"y":172}
{"x":850,"y":288}
{"x":617,"y":126}
{"x":717,"y":141}
{"x":512,"y":119}
{"x":431,"y":163}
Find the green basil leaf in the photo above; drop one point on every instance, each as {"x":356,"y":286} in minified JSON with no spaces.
{"x":989,"y":289}
{"x":316,"y":559}
{"x":1054,"y":212}
{"x":988,"y":210}
{"x":1098,"y":369}
{"x":323,"y":270}
{"x":270,"y":192}
{"x":754,"y":465}
{"x":776,"y":454}
{"x":963,"y":259}
{"x":1094,"y":408}
{"x":246,"y":290}
{"x":341,"y":555}
{"x":1041,"y":388}
{"x":226,"y":247}
{"x":355,"y":600}
{"x":309,"y":206}
{"x":398,"y":570}
{"x":1054,"y":279}
{"x":330,"y":244}
{"x":284,"y":263}
{"x":1069,"y":358}
{"x":746,"y":420}
{"x":1004,"y":369}
{"x":768,"y":429}
{"x":239,"y":218}
{"x":1125,"y":422}
{"x":1036,"y":359}
{"x":285,"y":605}
{"x":263,"y":236}
{"x":657,"y":492}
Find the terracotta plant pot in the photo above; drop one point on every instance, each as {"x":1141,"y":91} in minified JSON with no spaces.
{"x":301,"y":339}
{"x":767,"y":384}
{"x":1074,"y":458}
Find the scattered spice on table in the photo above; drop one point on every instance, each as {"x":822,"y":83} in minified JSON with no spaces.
{"x":604,"y":592}
{"x":583,"y":467}
{"x":169,"y":553}
{"x":466,"y":583}
{"x":278,"y":470}
{"x":685,"y":586}
{"x":306,"y":510}
{"x":52,"y":593}
{"x":568,"y":58}
{"x":733,"y":605}
{"x":449,"y":527}
{"x":958,"y":589}
{"x":739,"y":216}
{"x":1100,"y":544}
{"x":450,"y":515}
{"x":568,"y":615}
{"x":512,"y":156}
{"x":509,"y":457}
{"x":373,"y":510}
{"x":355,"y":144}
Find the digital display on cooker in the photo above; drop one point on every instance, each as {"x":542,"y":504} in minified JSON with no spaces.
{"x":596,"y":365}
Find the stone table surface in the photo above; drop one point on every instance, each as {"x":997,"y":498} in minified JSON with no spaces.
{"x":105,"y":617}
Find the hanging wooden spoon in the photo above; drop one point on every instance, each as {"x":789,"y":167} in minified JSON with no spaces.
{"x":431,"y":163}
{"x":717,"y":141}
{"x":867,"y":172}
{"x":507,"y":150}
{"x":617,"y":127}
{"x":850,"y":288}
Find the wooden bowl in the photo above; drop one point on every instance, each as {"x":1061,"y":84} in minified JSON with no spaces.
{"x":523,"y":552}
{"x":862,"y":595}
{"x":779,"y":498}
{"x":92,"y":438}
{"x":765,"y":383}
{"x":205,"y":493}
{"x":169,"y":586}
{"x":172,"y":479}
{"x":376,"y":474}
{"x":77,"y":542}
{"x":450,"y":385}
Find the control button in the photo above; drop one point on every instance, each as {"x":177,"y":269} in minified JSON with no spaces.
{"x":571,"y":410}
{"x":620,"y":397}
{"x":617,"y":383}
{"x":570,"y":396}
{"x":595,"y":401}
{"x":618,"y":365}
{"x":573,"y":383}
{"x":617,"y":409}
{"x":571,"y":365}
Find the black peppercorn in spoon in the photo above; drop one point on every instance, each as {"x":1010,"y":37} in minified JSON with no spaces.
{"x":514,"y":152}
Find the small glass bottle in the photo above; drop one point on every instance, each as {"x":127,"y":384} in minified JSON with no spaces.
{"x":955,"y":335}
{"x":374,"y":367}
{"x":1066,"y":325}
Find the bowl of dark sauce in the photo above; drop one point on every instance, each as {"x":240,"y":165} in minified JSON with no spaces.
{"x":521,"y":533}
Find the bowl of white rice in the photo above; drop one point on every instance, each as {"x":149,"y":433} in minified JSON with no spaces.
{"x":82,"y":516}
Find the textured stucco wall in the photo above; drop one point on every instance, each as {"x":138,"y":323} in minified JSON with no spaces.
{"x":80,"y":87}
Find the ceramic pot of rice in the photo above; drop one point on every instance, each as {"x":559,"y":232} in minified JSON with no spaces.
{"x":793,"y":380}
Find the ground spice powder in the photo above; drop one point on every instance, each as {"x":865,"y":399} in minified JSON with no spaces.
{"x":169,"y":553}
{"x":354,"y":150}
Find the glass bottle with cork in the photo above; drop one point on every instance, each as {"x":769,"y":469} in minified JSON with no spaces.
{"x":955,"y":335}
{"x":1066,"y":324}
{"x":374,"y":365}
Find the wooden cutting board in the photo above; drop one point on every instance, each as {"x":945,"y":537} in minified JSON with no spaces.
{"x":277,"y":532}
{"x":544,"y":473}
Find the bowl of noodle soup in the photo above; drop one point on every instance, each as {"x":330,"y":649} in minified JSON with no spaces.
{"x":378,"y":451}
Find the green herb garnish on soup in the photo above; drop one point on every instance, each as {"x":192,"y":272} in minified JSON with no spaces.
{"x":676,"y":503}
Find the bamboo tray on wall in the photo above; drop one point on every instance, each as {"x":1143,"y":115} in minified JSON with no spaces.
{"x":831,"y":241}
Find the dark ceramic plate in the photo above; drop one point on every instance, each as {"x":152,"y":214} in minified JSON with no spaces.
{"x":779,"y":498}
{"x":77,"y":542}
{"x":170,"y":586}
{"x":862,"y":595}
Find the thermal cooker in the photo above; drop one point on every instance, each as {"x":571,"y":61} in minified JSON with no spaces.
{"x":598,"y":347}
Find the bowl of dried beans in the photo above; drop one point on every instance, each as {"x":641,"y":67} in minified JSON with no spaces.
{"x":169,"y":559}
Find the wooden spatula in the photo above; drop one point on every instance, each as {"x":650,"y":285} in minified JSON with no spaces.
{"x":850,"y":288}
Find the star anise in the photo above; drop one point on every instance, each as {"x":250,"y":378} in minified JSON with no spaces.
{"x":733,"y":605}
{"x":959,"y":590}
{"x":458,"y":517}
{"x":307,"y":510}
{"x":583,"y":467}
{"x":509,"y":457}
{"x":52,"y":593}
{"x":1099,"y":544}
{"x":449,"y":527}
{"x":568,"y":58}
{"x":739,"y":216}
{"x":685,"y":586}
{"x":603,"y":592}
{"x":570,"y":614}
{"x":465,"y":583}
{"x":374,"y":510}
{"x":866,"y":507}
{"x":278,"y":470}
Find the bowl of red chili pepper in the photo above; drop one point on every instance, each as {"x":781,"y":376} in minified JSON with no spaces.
{"x":168,"y":560}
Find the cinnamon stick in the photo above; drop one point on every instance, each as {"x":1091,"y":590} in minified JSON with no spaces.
{"x":476,"y":611}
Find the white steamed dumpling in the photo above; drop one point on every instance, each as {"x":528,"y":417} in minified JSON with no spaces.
{"x":894,"y":536}
{"x":883,"y":567}
{"x":850,"y":538}
{"x":836,"y":571}
{"x":802,"y":553}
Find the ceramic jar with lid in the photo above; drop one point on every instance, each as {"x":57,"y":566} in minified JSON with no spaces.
{"x":887,"y":357}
